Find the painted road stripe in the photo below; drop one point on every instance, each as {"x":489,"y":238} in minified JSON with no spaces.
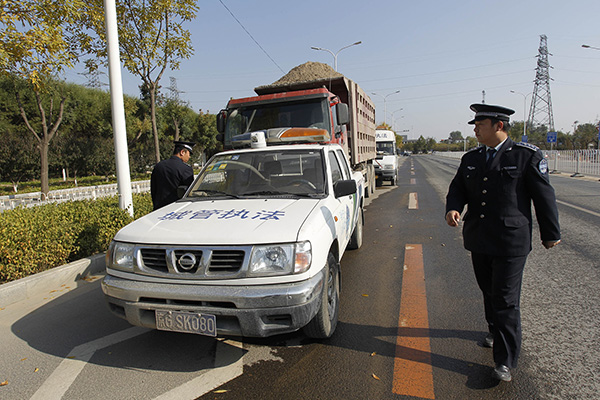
{"x":413,"y":373}
{"x":229,"y":364}
{"x":578,"y":208}
{"x":67,"y":371}
{"x":413,"y":203}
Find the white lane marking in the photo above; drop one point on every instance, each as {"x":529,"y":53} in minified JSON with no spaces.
{"x":578,"y":208}
{"x":67,"y":371}
{"x":412,"y":201}
{"x":229,"y":364}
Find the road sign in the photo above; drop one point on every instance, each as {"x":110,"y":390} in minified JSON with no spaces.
{"x":524,"y":138}
{"x":551,"y":137}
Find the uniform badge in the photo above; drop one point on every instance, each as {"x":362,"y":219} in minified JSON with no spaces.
{"x":543,"y":166}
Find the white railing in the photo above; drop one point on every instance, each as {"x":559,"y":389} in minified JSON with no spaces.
{"x":575,"y":162}
{"x":61,"y":195}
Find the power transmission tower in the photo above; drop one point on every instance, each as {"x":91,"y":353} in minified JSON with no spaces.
{"x":540,"y":112}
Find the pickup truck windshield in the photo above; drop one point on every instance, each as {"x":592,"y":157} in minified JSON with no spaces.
{"x":263,"y":174}
{"x":303,"y":114}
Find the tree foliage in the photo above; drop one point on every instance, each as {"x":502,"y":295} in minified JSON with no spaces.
{"x":151,"y":39}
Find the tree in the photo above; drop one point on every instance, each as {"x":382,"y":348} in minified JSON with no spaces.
{"x":151,"y":39}
{"x":455,"y":136}
{"x":36,"y":43}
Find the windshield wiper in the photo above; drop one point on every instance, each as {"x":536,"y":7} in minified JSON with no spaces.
{"x":207,"y":192}
{"x":280,"y":193}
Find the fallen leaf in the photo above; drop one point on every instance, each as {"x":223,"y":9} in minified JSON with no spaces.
{"x":36,"y":370}
{"x":221,"y":391}
{"x":365,"y":295}
{"x":71,"y":357}
{"x":23,"y":359}
{"x":4,"y":383}
{"x":375,"y":376}
{"x":443,"y":244}
{"x":373,"y":353}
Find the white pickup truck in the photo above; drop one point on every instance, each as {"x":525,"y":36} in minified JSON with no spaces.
{"x":253,"y":248}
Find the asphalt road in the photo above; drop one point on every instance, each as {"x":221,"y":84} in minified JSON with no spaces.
{"x":410,"y":321}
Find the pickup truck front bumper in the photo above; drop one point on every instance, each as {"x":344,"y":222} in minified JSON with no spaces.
{"x":253,"y":311}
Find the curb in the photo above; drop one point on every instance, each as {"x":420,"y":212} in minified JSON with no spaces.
{"x":22,"y":289}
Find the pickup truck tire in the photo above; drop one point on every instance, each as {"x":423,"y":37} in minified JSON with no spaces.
{"x":357,"y":235}
{"x":324,"y":323}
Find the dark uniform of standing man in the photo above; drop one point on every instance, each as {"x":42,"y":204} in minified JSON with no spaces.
{"x":171,"y":173}
{"x":498,"y":181}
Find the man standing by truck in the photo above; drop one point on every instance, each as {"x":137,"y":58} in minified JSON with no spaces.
{"x":498,"y":181}
{"x":171,"y":173}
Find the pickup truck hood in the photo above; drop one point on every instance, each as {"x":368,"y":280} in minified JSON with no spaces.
{"x":221,"y":222}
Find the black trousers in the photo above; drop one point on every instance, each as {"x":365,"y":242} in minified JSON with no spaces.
{"x":499,"y":279}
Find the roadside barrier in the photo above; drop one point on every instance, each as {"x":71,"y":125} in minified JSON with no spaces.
{"x":575,"y":162}
{"x":61,"y":195}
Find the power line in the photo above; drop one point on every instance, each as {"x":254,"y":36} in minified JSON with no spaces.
{"x":252,"y":37}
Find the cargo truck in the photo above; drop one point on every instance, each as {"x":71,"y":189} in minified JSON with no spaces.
{"x":303,"y":99}
{"x":386,"y":164}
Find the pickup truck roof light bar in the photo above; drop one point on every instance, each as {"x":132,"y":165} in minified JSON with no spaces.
{"x":281,"y":136}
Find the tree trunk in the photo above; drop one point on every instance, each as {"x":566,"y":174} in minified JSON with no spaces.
{"x":43,"y":146}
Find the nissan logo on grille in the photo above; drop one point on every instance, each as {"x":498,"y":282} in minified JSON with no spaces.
{"x":187,"y":261}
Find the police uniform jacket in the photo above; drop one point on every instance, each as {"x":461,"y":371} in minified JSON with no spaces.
{"x":166,"y":177}
{"x":498,"y":220}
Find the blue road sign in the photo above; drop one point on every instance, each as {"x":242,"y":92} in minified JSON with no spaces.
{"x":524,"y":138}
{"x":551,"y":137}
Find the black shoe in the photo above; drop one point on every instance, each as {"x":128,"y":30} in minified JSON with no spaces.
{"x":502,"y":373}
{"x":488,"y":341}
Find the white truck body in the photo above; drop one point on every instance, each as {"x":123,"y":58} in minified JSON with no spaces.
{"x":386,"y":162}
{"x":249,"y":250}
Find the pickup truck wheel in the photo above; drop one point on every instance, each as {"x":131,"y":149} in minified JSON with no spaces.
{"x":323,"y":324}
{"x":357,"y":235}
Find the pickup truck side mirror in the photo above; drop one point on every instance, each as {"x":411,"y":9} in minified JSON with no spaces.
{"x":344,"y":188}
{"x":343,"y":116}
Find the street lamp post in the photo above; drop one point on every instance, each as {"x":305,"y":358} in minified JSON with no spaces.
{"x":385,"y":104}
{"x":524,"y":112}
{"x":336,"y":54}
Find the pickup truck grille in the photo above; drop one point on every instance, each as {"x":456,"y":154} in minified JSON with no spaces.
{"x":192,"y":262}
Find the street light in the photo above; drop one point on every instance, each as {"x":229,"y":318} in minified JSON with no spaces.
{"x":587,"y":46}
{"x":335,"y":54}
{"x":524,"y":112}
{"x":385,"y":104}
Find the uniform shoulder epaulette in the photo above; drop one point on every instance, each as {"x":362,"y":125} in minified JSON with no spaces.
{"x":528,"y":146}
{"x":475,"y":149}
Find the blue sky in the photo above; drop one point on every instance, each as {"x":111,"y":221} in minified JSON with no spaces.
{"x":440,"y":55}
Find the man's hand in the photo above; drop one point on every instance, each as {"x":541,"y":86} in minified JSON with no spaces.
{"x":550,"y":243}
{"x":453,"y":217}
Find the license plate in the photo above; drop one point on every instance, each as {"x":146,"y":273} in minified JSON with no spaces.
{"x":176,"y":321}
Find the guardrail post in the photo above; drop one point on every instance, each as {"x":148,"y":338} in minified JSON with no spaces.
{"x":576,"y":174}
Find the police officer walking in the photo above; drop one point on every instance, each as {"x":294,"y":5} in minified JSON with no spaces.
{"x":498,"y":181}
{"x":170,"y":174}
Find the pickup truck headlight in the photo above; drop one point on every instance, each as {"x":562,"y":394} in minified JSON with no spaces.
{"x":280,"y":259}
{"x":120,"y":256}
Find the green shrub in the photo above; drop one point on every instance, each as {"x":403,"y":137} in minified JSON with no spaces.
{"x":39,"y":238}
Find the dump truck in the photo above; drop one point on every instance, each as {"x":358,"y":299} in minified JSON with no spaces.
{"x":311,"y":95}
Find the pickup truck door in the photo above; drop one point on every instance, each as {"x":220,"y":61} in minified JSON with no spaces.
{"x":344,"y":206}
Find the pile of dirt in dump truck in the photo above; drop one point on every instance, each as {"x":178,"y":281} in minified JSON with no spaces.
{"x":307,"y":72}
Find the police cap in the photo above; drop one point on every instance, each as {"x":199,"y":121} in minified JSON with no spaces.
{"x":181,"y":145}
{"x":484,"y":111}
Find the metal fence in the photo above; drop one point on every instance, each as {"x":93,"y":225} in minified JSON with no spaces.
{"x":79,"y":193}
{"x":574,"y":162}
